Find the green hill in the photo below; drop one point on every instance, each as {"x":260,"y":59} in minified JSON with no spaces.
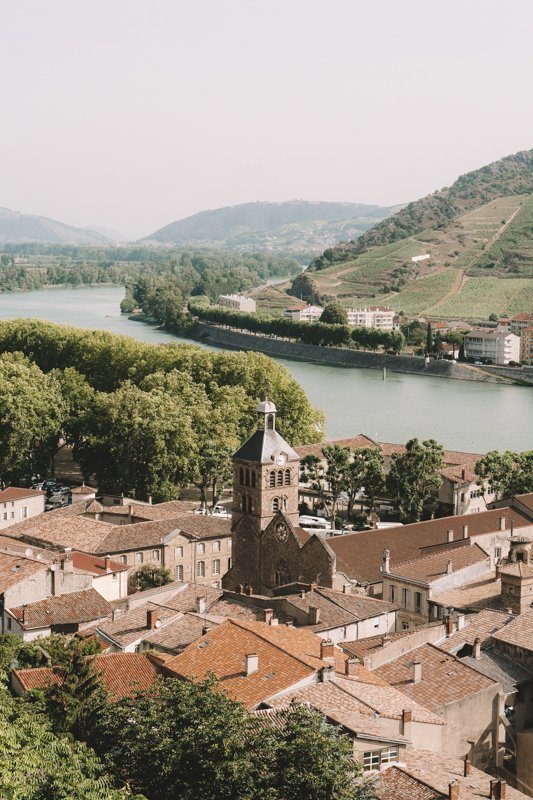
{"x":479,"y":237}
{"x":19,"y":228}
{"x":297,"y":226}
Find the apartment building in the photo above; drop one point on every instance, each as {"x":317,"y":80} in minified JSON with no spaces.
{"x":498,"y":346}
{"x":526,"y":345}
{"x":372,"y":317}
{"x":17,"y":504}
{"x":237,"y":302}
{"x":303,"y":313}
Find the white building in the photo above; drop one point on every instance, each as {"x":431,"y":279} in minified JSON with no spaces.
{"x":372,"y":317}
{"x":17,"y":504}
{"x":497,"y":345}
{"x":304,"y":314}
{"x":238,"y":302}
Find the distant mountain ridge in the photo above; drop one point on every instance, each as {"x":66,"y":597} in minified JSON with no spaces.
{"x":296,"y":225}
{"x":18,"y":228}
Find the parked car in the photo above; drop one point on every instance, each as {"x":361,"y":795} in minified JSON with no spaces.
{"x":39,"y":485}
{"x":217,"y":511}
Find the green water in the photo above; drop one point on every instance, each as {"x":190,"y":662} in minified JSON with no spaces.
{"x":463,"y":415}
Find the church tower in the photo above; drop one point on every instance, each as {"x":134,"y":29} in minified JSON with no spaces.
{"x":265,"y":474}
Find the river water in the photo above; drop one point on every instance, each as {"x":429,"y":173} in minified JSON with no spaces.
{"x":463,"y":415}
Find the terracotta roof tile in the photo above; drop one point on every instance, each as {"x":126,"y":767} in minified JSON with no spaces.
{"x":338,"y":608}
{"x":16,"y":493}
{"x":474,"y":596}
{"x":434,"y":566}
{"x":519,"y":570}
{"x":74,"y":607}
{"x":482,"y":625}
{"x":132,"y":626}
{"x":14,"y":568}
{"x":519,"y":632}
{"x":395,"y":783}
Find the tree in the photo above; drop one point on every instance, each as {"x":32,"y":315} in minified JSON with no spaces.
{"x":328,"y":476}
{"x":31,"y":412}
{"x":429,"y":340}
{"x":149,"y":576}
{"x":334,"y":314}
{"x":414,"y":478}
{"x":77,"y":695}
{"x":505,"y":474}
{"x":304,"y":287}
{"x":365,"y":473}
{"x":455,"y":338}
{"x":493,"y":317}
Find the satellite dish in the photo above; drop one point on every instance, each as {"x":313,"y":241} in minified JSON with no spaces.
{"x":28,"y":552}
{"x":158,"y":623}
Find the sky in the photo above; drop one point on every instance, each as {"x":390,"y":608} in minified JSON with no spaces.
{"x":130,"y":114}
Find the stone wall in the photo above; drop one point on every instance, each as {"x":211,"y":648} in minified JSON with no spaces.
{"x":341,"y":357}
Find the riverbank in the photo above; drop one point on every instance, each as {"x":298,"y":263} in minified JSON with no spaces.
{"x":343,"y":357}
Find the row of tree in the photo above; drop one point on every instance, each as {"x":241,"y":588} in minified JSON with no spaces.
{"x":317,"y":333}
{"x":144,"y":419}
{"x":412,"y":481}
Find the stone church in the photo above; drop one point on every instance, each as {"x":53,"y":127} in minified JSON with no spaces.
{"x":269,"y":548}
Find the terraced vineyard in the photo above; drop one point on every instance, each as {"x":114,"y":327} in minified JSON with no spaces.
{"x":483,"y":296}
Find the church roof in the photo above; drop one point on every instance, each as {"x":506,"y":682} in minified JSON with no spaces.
{"x":262,"y":446}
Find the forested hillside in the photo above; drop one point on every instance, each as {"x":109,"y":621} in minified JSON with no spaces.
{"x":17,"y":227}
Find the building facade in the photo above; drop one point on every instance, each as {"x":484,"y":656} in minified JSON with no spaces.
{"x":17,"y":504}
{"x":379,"y":317}
{"x":498,"y":346}
{"x":238,"y":302}
{"x":303,"y":314}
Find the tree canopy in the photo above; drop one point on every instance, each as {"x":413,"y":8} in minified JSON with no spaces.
{"x":414,"y":478}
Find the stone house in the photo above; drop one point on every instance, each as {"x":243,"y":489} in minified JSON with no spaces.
{"x":65,"y":613}
{"x":18,"y":504}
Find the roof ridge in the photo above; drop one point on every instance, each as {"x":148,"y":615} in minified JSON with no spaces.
{"x":405,"y":769}
{"x":244,"y":624}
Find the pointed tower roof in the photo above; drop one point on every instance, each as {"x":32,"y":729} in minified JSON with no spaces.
{"x":265,"y":444}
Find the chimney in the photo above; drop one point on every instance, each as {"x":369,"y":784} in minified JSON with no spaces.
{"x":453,"y":790}
{"x":449,"y":568}
{"x":302,"y":594}
{"x":351,"y":667}
{"x":249,"y":590}
{"x":273,"y":622}
{"x":467,"y":767}
{"x":460,"y":622}
{"x":67,"y":564}
{"x":150,"y":499}
{"x":205,"y":629}
{"x":251,"y":663}
{"x":327,"y":649}
{"x":502,"y":523}
{"x":23,"y":615}
{"x":449,"y":625}
{"x":268,"y":613}
{"x":465,"y":531}
{"x":200,"y":605}
{"x":417,"y":672}
{"x":477,"y":648}
{"x":386,"y":561}
{"x":239,"y":588}
{"x":463,"y":474}
{"x":498,"y":789}
{"x":107,"y":563}
{"x":151,"y":619}
{"x":498,"y":571}
{"x":407,"y":718}
{"x":327,"y":673}
{"x":313,"y":615}
{"x":449,"y":535}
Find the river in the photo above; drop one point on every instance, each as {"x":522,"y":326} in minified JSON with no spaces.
{"x":463,"y":415}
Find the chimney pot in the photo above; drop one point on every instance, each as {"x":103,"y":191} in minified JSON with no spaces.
{"x":417,"y":672}
{"x":465,"y":531}
{"x":498,"y":789}
{"x":249,"y":590}
{"x":273,"y":622}
{"x":200,"y":605}
{"x":251,"y":663}
{"x":351,"y":667}
{"x":449,"y":535}
{"x":453,"y":790}
{"x":449,"y":567}
{"x":239,"y":588}
{"x":463,"y":474}
{"x":502,"y":523}
{"x":313,"y":615}
{"x":327,"y":649}
{"x":407,"y":718}
{"x":107,"y":563}
{"x":386,"y":561}
{"x":205,"y":630}
{"x":449,"y":625}
{"x":477,"y":648}
{"x":151,"y":619}
{"x":268,"y":613}
{"x":460,"y":622}
{"x":467,"y":767}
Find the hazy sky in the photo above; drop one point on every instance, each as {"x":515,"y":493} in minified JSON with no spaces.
{"x":132,"y":113}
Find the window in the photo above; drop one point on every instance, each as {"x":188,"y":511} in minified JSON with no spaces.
{"x":392,"y":594}
{"x":12,"y":515}
{"x":179,"y":572}
{"x":272,"y":479}
{"x":138,"y":558}
{"x":123,"y":559}
{"x":250,"y":504}
{"x":374,"y":759}
{"x":24,"y":512}
{"x":287,"y":477}
{"x":215,"y":566}
{"x":275,"y":504}
{"x":5,"y":514}
{"x":253,"y":479}
{"x":178,"y":552}
{"x":243,"y":503}
{"x":247,"y":478}
{"x":200,"y":547}
{"x":114,"y":576}
{"x":405,"y":598}
{"x":497,"y":552}
{"x":155,"y":555}
{"x":9,"y":623}
{"x":216,"y":547}
{"x":405,"y":625}
{"x":229,"y":563}
{"x":241,"y":476}
{"x":200,"y":569}
{"x":280,"y":478}
{"x":418,"y":602}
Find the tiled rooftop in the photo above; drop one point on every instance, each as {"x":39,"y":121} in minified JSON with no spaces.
{"x":63,"y":609}
{"x":337,"y":608}
{"x":482,"y":593}
{"x":519,"y":632}
{"x":431,"y":567}
{"x":481,"y":625}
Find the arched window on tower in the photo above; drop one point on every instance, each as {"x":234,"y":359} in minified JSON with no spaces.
{"x":243,"y":503}
{"x":249,"y":504}
{"x":287,"y":477}
{"x":284,"y":503}
{"x":270,"y":422}
{"x":253,"y":479}
{"x":241,"y":476}
{"x":247,"y":477}
{"x":280,"y":477}
{"x":272,"y":479}
{"x":275,"y":504}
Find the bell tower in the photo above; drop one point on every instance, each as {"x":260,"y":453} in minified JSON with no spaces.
{"x":265,"y":474}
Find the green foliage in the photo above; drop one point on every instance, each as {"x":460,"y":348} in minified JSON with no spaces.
{"x":414,"y":478}
{"x":507,"y":473}
{"x":327,"y":476}
{"x":304,"y":287}
{"x":149,"y":576}
{"x":128,"y":304}
{"x":365,"y":474}
{"x":35,"y":764}
{"x":31,"y":412}
{"x":181,"y":739}
{"x":334,"y":314}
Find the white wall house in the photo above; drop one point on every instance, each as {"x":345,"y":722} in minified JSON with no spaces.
{"x":372,"y":317}
{"x":238,"y":302}
{"x":305,"y":314}
{"x":498,"y":345}
{"x":17,"y":504}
